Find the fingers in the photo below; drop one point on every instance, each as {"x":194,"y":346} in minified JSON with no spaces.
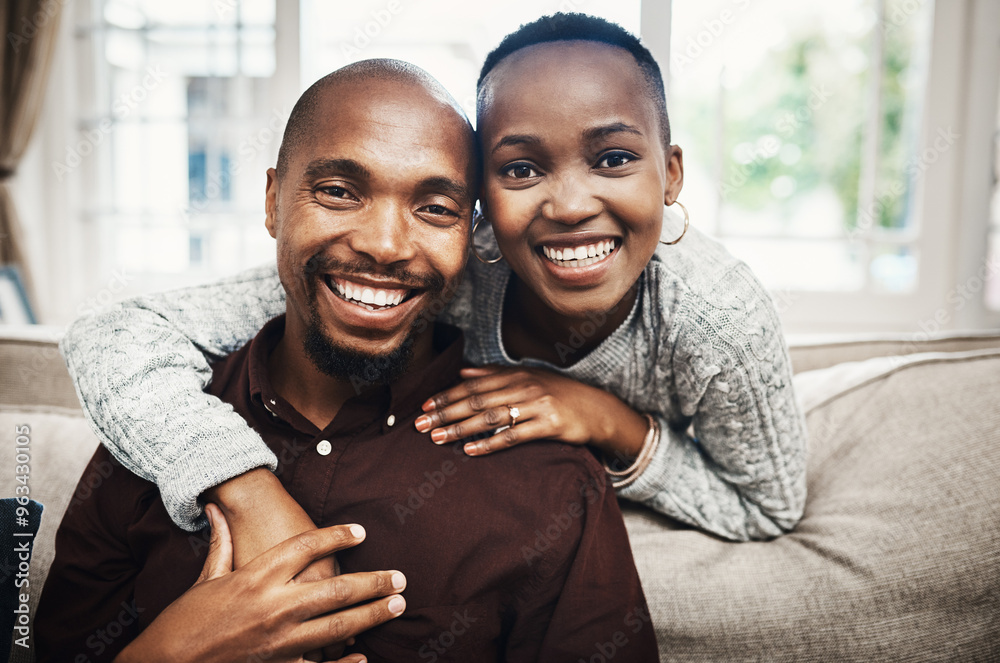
{"x":485,"y":422}
{"x":349,"y":622}
{"x":290,"y":557}
{"x":352,"y":658}
{"x":347,"y":590}
{"x":508,"y":437}
{"x":491,"y":381}
{"x":220,"y":549}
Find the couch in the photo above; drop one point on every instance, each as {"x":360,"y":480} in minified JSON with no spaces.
{"x":896,"y":559}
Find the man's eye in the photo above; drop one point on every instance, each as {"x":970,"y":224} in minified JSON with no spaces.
{"x":439,"y":210}
{"x":335,"y":191}
{"x":615,"y":160}
{"x":520,"y":171}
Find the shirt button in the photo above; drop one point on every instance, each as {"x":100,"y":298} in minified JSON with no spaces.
{"x":391,"y":420}
{"x":324,"y":448}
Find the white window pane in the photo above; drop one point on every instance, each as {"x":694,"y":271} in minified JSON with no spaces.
{"x":791,"y":264}
{"x":790,"y":130}
{"x":448,"y":38}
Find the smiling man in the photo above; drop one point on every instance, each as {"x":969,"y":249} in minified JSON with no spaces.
{"x":521,"y":558}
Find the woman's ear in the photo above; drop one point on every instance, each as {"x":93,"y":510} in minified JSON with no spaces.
{"x":271,"y":201}
{"x":675,"y":174}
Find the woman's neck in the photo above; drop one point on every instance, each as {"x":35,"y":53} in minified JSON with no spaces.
{"x":531,"y":329}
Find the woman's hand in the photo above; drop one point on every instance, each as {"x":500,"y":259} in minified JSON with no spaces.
{"x":550,"y":407}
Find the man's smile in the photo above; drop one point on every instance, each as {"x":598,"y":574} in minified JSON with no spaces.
{"x":370,"y":296}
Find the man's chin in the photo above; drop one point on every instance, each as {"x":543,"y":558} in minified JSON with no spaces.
{"x":358,"y":366}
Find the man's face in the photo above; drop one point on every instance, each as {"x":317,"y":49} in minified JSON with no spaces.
{"x":372,"y":215}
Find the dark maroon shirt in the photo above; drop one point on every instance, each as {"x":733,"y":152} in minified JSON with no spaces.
{"x":518,"y":556}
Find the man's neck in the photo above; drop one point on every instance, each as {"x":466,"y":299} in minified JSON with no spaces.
{"x":314,"y":394}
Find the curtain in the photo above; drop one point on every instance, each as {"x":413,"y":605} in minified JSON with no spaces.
{"x":30,"y":29}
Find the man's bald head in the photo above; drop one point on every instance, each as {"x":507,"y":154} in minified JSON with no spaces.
{"x":301,"y":123}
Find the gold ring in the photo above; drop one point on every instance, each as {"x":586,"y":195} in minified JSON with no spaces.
{"x":514,"y":414}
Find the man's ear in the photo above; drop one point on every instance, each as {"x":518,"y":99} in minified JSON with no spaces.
{"x":271,"y":201}
{"x":675,"y":174}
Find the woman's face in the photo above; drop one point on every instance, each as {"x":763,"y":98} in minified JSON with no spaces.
{"x":576,"y":172}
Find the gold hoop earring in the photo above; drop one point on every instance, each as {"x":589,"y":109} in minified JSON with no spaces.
{"x":687,"y":221}
{"x":474,"y":252}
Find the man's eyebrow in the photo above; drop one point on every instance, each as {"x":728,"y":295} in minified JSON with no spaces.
{"x":447,"y":185}
{"x":516,"y":139}
{"x":606,"y":130}
{"x":319,"y":168}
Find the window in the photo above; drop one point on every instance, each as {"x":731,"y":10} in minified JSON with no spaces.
{"x":811,"y":133}
{"x":992,"y":269}
{"x":180,"y":101}
{"x":801,"y":125}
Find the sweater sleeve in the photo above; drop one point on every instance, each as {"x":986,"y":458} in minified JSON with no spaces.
{"x":140,"y":368}
{"x":742,"y":474}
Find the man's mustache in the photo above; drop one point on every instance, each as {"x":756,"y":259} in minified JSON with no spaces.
{"x":320,"y":263}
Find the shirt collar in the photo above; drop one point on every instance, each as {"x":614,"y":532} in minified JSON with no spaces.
{"x":396,"y":401}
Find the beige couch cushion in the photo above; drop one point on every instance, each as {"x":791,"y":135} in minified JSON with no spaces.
{"x":897,"y":556}
{"x":61,"y":445}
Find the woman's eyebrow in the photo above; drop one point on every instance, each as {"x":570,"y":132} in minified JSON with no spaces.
{"x":516,"y":139}
{"x":606,"y":130}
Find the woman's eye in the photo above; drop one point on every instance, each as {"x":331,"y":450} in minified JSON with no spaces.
{"x":615,"y":160}
{"x":520,"y":171}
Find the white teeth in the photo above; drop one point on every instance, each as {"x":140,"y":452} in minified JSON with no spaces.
{"x":367,"y":297}
{"x":580,"y":256}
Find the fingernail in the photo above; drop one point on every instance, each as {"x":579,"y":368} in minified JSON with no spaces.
{"x":396,"y":605}
{"x":423,"y":423}
{"x":470,"y":449}
{"x":428,"y":405}
{"x":357,"y":531}
{"x":398,"y":580}
{"x":439,"y":436}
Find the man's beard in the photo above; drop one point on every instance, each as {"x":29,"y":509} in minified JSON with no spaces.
{"x":361,"y":368}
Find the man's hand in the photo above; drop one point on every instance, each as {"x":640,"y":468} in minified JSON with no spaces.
{"x":260,"y":610}
{"x":261,"y":514}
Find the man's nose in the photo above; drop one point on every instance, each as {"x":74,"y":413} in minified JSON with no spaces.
{"x":570,"y":201}
{"x":382,"y":235}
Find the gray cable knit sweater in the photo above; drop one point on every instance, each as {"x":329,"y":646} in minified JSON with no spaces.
{"x":701,"y":349}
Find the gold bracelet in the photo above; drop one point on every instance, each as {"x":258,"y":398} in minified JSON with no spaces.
{"x":643,"y":461}
{"x":646,"y":441}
